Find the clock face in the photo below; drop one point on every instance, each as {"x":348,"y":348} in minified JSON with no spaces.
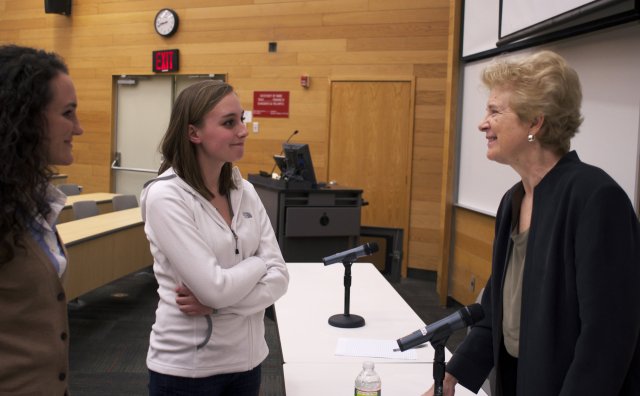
{"x":166,"y":22}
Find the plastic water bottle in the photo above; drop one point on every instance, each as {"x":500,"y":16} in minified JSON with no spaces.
{"x":368,"y":381}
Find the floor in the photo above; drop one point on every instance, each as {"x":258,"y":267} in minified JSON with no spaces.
{"x":110,"y":330}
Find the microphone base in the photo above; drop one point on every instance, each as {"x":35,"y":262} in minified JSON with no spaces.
{"x":346,"y":321}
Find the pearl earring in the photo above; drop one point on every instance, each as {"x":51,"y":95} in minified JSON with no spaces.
{"x":531,"y":138}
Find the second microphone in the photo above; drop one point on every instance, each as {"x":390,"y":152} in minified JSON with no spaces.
{"x":352,"y":254}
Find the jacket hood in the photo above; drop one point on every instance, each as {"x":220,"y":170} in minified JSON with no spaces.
{"x":171,"y":176}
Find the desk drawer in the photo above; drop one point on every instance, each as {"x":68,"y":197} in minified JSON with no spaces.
{"x":322,"y":221}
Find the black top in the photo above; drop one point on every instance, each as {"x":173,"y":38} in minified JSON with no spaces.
{"x":580,"y":323}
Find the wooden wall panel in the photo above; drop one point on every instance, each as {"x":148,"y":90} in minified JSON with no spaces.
{"x":471,"y":259}
{"x":323,"y":38}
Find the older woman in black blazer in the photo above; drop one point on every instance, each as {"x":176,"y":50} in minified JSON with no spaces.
{"x":562,"y":306}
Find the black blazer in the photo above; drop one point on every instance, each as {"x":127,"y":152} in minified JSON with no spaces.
{"x":580,"y":318}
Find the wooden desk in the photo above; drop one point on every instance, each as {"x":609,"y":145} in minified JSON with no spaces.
{"x":104,"y":201}
{"x":59,"y":178}
{"x":104,"y":248}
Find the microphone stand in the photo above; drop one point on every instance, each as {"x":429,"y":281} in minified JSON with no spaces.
{"x":439,"y":366}
{"x":346,"y":320}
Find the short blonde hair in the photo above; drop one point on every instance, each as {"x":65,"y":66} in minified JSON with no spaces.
{"x":541,"y":83}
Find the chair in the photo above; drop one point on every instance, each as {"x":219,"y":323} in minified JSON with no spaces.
{"x":392,"y":255}
{"x":126,"y":201}
{"x":82,"y":209}
{"x":69,"y":189}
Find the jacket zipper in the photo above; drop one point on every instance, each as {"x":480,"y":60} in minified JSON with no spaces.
{"x":235,"y":236}
{"x":250,"y":342}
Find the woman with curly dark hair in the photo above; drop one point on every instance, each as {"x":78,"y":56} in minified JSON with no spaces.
{"x":37,"y":124}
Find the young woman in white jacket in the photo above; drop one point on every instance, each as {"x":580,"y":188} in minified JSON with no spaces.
{"x":216,"y":258}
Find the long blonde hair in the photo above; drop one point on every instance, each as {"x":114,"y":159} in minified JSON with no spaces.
{"x":193,"y":103}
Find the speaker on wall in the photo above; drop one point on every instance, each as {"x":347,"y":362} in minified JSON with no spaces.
{"x":57,"y":7}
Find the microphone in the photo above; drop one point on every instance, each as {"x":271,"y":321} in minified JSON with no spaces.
{"x":352,"y":254}
{"x":282,"y":151}
{"x":443,"y":328}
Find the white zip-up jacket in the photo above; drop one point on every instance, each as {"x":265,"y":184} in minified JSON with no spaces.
{"x":239,"y":271}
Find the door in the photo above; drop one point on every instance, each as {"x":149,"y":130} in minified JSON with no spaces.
{"x":143,"y":111}
{"x":370,"y":148}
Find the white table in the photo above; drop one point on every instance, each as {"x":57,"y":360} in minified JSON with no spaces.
{"x":337,"y":379}
{"x":308,"y":341}
{"x":316,"y":292}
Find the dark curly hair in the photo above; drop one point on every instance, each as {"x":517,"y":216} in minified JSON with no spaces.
{"x":25,"y":92}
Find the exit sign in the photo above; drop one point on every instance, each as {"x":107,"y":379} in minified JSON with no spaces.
{"x":165,"y":61}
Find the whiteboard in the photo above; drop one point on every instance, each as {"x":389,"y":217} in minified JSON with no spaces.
{"x":480,"y":26}
{"x":608,"y":63}
{"x":520,"y":14}
{"x":528,"y":23}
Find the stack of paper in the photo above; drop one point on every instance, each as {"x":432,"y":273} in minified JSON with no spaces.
{"x":363,"y":347}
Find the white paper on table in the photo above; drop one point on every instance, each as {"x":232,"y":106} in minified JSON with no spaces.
{"x":372,"y":348}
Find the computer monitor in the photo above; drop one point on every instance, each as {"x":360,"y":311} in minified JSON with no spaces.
{"x":299,"y":167}
{"x":281,"y":163}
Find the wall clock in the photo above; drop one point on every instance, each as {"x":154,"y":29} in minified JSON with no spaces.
{"x":166,"y":22}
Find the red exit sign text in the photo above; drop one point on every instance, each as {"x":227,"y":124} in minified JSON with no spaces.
{"x":165,"y":61}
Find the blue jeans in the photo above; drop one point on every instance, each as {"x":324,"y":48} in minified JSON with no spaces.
{"x":234,"y":384}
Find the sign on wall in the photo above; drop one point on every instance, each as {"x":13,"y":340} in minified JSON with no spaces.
{"x":166,"y":61}
{"x":271,"y":104}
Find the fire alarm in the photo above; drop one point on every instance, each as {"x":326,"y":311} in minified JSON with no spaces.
{"x":305,"y":81}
